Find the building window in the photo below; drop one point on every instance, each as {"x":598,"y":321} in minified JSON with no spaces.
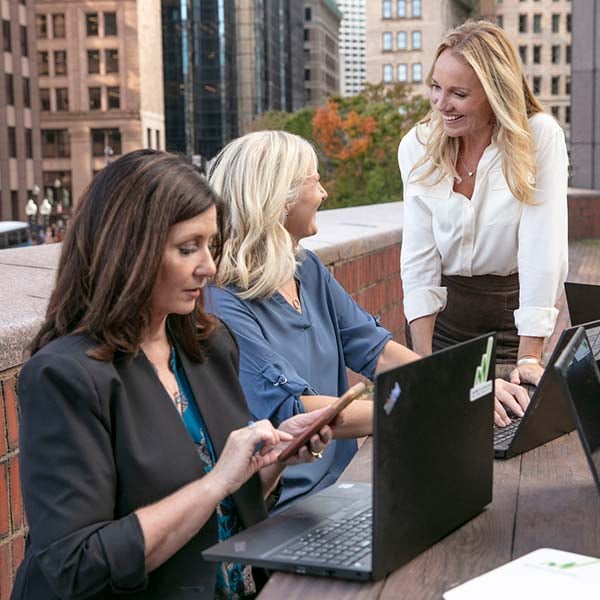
{"x":417,"y":72}
{"x":555,"y":84}
{"x":306,"y":35}
{"x":44,"y":99}
{"x":500,"y":20}
{"x":26,"y":93}
{"x":401,"y":8}
{"x":111,"y":60}
{"x":60,"y":62}
{"x":7,"y":36}
{"x":555,"y":112}
{"x":41,"y":27}
{"x":306,"y":74}
{"x":106,"y":138}
{"x":402,"y":72}
{"x":401,"y":40}
{"x":14,"y":201}
{"x":555,"y":23}
{"x":522,"y":23}
{"x":416,"y":8}
{"x":537,"y":84}
{"x":114,"y":97}
{"x":158,"y":139}
{"x":416,"y":40}
{"x":387,"y":41}
{"x":28,"y":143}
{"x":537,"y":23}
{"x":55,"y":143}
{"x":555,"y":54}
{"x":307,"y":17}
{"x":523,"y":54}
{"x":148,"y":137}
{"x":568,"y":85}
{"x":387,"y":73}
{"x":62,"y":99}
{"x":537,"y":55}
{"x":58,"y":25}
{"x":12,"y":142}
{"x":386,"y":9}
{"x":568,"y":55}
{"x":95,"y":96}
{"x":10,"y":89}
{"x":567,"y":114}
{"x":569,"y":23}
{"x":93,"y":59}
{"x":91,"y":24}
{"x":24,"y":41}
{"x":110,"y":23}
{"x":43,"y":66}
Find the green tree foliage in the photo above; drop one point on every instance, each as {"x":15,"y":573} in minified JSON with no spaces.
{"x":356,"y":139}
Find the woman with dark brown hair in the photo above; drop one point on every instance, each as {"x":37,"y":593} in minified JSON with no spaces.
{"x":136,"y":452}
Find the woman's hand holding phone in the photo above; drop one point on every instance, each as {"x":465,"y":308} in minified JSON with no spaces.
{"x":317,"y":421}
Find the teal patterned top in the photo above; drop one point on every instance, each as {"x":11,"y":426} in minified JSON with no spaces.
{"x":233,"y":580}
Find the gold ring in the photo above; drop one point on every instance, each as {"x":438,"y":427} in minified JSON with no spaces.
{"x":317,"y":454}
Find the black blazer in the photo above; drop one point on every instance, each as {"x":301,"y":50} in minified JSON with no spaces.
{"x":101,"y":439}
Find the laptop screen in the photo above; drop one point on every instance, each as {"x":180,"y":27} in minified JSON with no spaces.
{"x":582,"y":380}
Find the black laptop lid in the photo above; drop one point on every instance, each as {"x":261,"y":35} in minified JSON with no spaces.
{"x":581,"y":383}
{"x":583,"y":300}
{"x":437,"y":415}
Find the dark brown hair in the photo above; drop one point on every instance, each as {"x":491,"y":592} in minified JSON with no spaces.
{"x":113,"y":250}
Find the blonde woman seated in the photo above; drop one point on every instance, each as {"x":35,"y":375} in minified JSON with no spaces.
{"x":297,"y":328}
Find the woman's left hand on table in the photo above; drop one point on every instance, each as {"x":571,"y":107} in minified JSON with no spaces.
{"x":527,"y":373}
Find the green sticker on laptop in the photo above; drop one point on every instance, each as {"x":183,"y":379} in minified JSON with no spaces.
{"x":481,"y":385}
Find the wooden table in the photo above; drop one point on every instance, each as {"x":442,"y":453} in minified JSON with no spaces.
{"x":544,"y":498}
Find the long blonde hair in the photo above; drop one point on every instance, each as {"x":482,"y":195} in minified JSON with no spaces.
{"x":258,"y":177}
{"x":485,"y":47}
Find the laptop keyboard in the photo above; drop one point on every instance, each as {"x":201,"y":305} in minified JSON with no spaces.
{"x":504,"y":435}
{"x":337,"y":543}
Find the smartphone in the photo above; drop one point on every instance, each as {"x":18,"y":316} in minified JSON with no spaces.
{"x":332,"y":411}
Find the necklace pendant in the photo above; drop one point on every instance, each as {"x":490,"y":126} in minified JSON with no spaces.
{"x":470,"y":173}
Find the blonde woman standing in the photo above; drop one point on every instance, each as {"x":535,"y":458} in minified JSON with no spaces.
{"x":485,"y":208}
{"x":297,"y":328}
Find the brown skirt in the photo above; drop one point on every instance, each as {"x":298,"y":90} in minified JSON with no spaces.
{"x":478,"y":305}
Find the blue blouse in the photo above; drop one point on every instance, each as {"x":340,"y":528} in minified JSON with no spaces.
{"x":285,"y":354}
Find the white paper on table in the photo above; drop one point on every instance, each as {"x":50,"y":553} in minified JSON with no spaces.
{"x":545,"y":573}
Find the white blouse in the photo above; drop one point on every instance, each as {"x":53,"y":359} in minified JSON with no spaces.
{"x":490,"y":234}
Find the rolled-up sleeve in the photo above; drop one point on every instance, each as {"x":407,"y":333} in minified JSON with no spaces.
{"x":271,"y":384}
{"x":543,"y":238}
{"x":420,"y":260}
{"x":69,"y":484}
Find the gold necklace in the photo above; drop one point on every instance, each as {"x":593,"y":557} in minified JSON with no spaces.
{"x":469,"y":173}
{"x":292,"y":299}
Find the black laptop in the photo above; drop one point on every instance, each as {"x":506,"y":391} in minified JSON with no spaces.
{"x":583,"y":300}
{"x":547,"y":416}
{"x":432,"y":472}
{"x":580,"y":378}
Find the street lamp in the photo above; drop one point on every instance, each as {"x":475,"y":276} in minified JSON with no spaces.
{"x":31,"y":211}
{"x":108,"y":152}
{"x":45,"y":210}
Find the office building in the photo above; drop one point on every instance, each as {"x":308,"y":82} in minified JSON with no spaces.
{"x":20,"y":155}
{"x":353,"y":70}
{"x":322,"y":20}
{"x":225,"y":62}
{"x":541,"y":31}
{"x":100,"y":88}
{"x":402,"y":36}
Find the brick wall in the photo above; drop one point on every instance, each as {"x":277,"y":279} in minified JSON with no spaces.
{"x":12,"y":519}
{"x":372,"y":278}
{"x":584,"y":215}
